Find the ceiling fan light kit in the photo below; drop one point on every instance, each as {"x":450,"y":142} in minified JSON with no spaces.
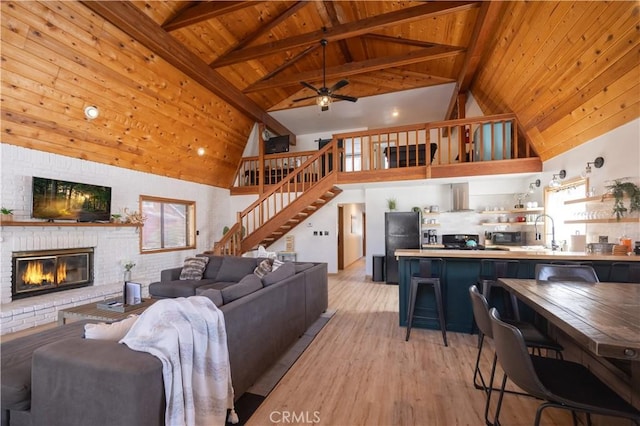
{"x":324,"y":95}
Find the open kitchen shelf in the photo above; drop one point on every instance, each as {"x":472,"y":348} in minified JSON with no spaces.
{"x":525,"y":210}
{"x":595,"y":198}
{"x":76,"y":224}
{"x":613,"y":220}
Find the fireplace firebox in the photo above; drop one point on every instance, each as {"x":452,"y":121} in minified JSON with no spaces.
{"x":47,"y":271}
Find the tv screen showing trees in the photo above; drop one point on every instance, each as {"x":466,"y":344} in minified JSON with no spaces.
{"x":62,"y":200}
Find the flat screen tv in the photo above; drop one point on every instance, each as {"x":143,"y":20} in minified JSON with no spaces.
{"x":276,"y":144}
{"x":55,"y":199}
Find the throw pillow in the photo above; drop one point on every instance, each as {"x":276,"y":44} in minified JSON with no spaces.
{"x":276,"y":264}
{"x":263,"y":268}
{"x":285,"y":271}
{"x":193,"y":268}
{"x":114,"y":331}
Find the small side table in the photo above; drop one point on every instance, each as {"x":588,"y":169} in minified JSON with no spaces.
{"x":287,"y":256}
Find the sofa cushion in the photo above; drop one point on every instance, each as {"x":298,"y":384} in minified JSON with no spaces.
{"x":180,"y":288}
{"x":194,"y":268}
{"x":214,"y":294}
{"x":283,"y":272}
{"x":114,"y":331}
{"x":16,"y":357}
{"x":246,"y":285}
{"x":235,"y":268}
{"x":211,"y":271}
{"x":263,"y":268}
{"x":302,"y":266}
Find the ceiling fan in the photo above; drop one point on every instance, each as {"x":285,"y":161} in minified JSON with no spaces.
{"x":324,"y":95}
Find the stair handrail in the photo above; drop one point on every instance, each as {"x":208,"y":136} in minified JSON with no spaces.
{"x":303,"y":178}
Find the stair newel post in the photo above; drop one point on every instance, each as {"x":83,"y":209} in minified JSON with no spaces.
{"x":261,"y":172}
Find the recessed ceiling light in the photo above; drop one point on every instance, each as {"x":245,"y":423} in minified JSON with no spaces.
{"x":91,"y":112}
{"x":200,"y":151}
{"x":395,"y":113}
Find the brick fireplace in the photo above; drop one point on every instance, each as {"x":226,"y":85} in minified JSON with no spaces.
{"x":47,"y":271}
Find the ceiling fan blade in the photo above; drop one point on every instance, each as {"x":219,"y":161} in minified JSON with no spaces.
{"x":344,"y":98}
{"x":305,"y":84}
{"x":304,"y":99}
{"x":339,"y":85}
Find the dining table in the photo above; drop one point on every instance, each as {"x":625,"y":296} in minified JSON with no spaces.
{"x":602,"y":318}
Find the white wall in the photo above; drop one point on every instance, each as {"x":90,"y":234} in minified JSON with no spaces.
{"x":620,"y":149}
{"x":112,"y":245}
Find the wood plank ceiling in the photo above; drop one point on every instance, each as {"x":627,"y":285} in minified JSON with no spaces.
{"x":172,"y":76}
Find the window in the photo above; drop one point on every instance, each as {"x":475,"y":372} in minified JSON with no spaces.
{"x":170,"y":224}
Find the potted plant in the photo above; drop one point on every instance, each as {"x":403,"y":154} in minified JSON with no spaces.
{"x":7,"y":214}
{"x":391,"y":204}
{"x":618,"y":189}
{"x":116,"y":218}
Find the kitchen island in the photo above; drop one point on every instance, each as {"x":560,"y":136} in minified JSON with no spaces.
{"x":462,"y":268}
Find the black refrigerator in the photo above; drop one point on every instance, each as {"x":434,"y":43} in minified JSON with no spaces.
{"x":401,"y":231}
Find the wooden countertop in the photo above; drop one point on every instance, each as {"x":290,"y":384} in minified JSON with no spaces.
{"x":503,"y":254}
{"x":604,"y":317}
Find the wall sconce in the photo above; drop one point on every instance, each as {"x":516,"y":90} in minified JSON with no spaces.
{"x":597,"y":163}
{"x":534,"y":185}
{"x":555,"y":182}
{"x":91,"y":112}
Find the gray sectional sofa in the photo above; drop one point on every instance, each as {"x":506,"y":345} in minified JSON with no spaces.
{"x":58,"y":377}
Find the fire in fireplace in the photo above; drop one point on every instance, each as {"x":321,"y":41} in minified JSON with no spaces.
{"x":39,"y":272}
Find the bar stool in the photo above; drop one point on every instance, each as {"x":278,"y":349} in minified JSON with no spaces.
{"x":625,"y":272}
{"x":431,"y":270}
{"x":490,"y":271}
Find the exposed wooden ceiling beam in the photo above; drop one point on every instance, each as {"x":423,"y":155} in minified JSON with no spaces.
{"x":350,"y":29}
{"x":334,"y":20}
{"x":360,"y":67}
{"x":129,"y":19}
{"x":406,"y":41}
{"x":269,"y":25}
{"x":202,"y":11}
{"x":290,"y":62}
{"x":483,"y":30}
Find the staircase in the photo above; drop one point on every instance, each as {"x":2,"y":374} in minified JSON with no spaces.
{"x":285,"y":205}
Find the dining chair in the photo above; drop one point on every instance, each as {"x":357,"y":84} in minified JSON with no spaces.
{"x":493,"y":269}
{"x":430,"y":272}
{"x":549,"y":272}
{"x":559,"y":383}
{"x":534,"y":339}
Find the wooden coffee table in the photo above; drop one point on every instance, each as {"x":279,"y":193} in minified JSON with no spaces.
{"x":92,"y":312}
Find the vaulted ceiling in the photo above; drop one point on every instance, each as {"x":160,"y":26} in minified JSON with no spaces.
{"x":173,"y":76}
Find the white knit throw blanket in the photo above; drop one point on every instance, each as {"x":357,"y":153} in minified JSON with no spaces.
{"x":188,"y":335}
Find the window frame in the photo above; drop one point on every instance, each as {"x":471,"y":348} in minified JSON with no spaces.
{"x":191,"y":233}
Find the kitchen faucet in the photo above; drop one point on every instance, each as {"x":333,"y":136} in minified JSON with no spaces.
{"x":554,"y":246}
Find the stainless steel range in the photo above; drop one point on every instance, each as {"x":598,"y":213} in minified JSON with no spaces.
{"x":461,"y":242}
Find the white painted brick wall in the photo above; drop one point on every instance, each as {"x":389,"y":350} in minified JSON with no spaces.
{"x":112,"y":245}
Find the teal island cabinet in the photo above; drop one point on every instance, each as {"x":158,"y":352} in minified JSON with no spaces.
{"x":462,"y":269}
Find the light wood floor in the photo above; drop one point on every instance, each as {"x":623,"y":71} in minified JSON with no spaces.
{"x":360,"y":371}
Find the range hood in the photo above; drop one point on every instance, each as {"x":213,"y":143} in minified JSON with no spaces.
{"x":460,"y":197}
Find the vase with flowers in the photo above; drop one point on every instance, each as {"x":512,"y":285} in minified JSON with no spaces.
{"x":128,"y":266}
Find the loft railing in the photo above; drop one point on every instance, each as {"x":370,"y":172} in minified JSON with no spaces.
{"x":373,"y":155}
{"x":437,"y":143}
{"x":317,"y":166}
